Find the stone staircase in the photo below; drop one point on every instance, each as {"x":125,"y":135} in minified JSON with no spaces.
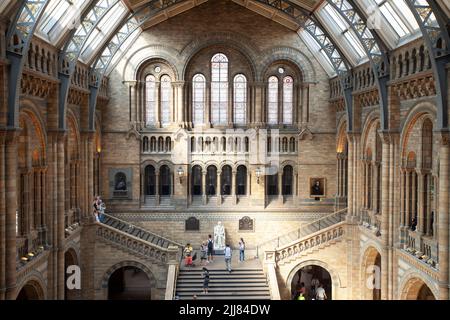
{"x":136,"y":232}
{"x":240,"y":284}
{"x":297,"y":235}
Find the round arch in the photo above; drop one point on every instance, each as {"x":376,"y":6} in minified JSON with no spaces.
{"x":371,"y":262}
{"x":32,"y":288}
{"x":414,"y":287}
{"x":335,"y":280}
{"x":129,"y":263}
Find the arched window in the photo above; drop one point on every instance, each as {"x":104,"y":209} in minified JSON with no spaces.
{"x":287,"y":180}
{"x":272,"y":184}
{"x":166,"y":93}
{"x":150,"y":99}
{"x":240,"y":99}
{"x":272,"y":107}
{"x":225,"y":180}
{"x":192,"y":144}
{"x":150,"y":181}
{"x":168,"y":146}
{"x":288,"y":95}
{"x":219,"y":89}
{"x":166,"y":181}
{"x":145,"y":144}
{"x":292,"y":144}
{"x":152,"y":144}
{"x":196,"y":181}
{"x":198,"y":98}
{"x":211,"y":180}
{"x":247,"y":144}
{"x":241,"y":180}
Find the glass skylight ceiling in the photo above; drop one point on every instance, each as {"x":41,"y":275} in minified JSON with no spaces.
{"x":392,"y":20}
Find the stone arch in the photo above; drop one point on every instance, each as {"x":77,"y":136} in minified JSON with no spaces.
{"x":31,"y":113}
{"x":135,"y":62}
{"x":342,"y":139}
{"x":420,"y":112}
{"x":335,"y":279}
{"x":34,"y":285}
{"x":411,"y":285}
{"x":128,"y":263}
{"x":268,"y":57}
{"x":234,"y":40}
{"x":370,"y":258}
{"x":288,"y":163}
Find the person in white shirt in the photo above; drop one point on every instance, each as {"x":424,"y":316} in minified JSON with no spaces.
{"x":228,"y":257}
{"x":320,"y":293}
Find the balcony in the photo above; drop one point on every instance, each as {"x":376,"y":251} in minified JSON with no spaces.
{"x":422,"y":247}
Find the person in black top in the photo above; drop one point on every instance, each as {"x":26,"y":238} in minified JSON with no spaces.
{"x":210,"y":249}
{"x":205,"y":280}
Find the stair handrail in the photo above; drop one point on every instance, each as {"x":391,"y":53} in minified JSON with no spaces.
{"x":340,"y":213}
{"x":141,"y":229}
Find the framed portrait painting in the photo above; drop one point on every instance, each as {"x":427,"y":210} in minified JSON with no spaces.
{"x":317,"y":187}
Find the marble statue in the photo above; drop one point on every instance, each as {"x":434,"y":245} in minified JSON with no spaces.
{"x":219,"y":237}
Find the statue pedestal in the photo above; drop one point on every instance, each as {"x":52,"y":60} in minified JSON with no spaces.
{"x":219,"y":252}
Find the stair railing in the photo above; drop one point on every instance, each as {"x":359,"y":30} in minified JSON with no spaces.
{"x":143,"y":232}
{"x":304,"y":230}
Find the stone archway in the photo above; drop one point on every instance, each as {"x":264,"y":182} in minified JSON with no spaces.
{"x":328,"y":275}
{"x":371,"y":274}
{"x":70,"y":259}
{"x":416,"y":289}
{"x":128,"y":280}
{"x":310,"y":277}
{"x":32,"y":290}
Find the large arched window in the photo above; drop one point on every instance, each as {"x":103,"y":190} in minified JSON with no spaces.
{"x":272,"y":107}
{"x":150,"y":99}
{"x":166,"y":93}
{"x":211,"y":180}
{"x":165,"y":181}
{"x":219,"y":89}
{"x":241,"y":180}
{"x":150,"y":180}
{"x":287,"y":180}
{"x":240,"y":99}
{"x":196,"y":181}
{"x":225,"y":180}
{"x":288,"y":95}
{"x":198,"y":98}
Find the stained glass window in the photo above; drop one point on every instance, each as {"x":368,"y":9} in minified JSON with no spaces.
{"x":150,"y":98}
{"x":240,"y":99}
{"x":198,"y":98}
{"x":166,"y":92}
{"x":219,"y":89}
{"x":272,"y":108}
{"x":288,"y":95}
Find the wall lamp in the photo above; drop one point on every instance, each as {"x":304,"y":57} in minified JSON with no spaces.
{"x":180,"y":173}
{"x":258,"y":174}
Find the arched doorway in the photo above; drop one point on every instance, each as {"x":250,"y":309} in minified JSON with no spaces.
{"x":417,"y":289}
{"x":311,"y":277}
{"x":166,"y":181}
{"x":196,"y":180}
{"x":211,"y":180}
{"x":32,"y":290}
{"x":225,"y":180}
{"x":129,"y":283}
{"x":70,"y":259}
{"x":371,"y":275}
{"x":150,"y":180}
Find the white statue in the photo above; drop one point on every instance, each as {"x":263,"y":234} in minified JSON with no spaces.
{"x":219,"y":237}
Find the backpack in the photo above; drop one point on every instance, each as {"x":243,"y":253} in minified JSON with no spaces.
{"x":210,"y":245}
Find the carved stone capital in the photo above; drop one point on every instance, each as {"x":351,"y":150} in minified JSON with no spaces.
{"x":444,"y":137}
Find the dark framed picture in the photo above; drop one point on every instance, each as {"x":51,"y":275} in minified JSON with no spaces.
{"x":317,"y":187}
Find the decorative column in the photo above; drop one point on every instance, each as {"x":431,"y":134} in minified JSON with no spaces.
{"x":413,"y":207}
{"x":157,"y":182}
{"x":219,"y":189}
{"x":408,"y":198}
{"x":280,"y":186}
{"x":350,"y":177}
{"x":305,"y":104}
{"x":233,"y":186}
{"x":420,"y":205}
{"x":386,"y":144}
{"x":443,"y":220}
{"x":11,"y":207}
{"x":178,"y":88}
{"x":61,"y":214}
{"x":259,"y":103}
{"x":2,"y":213}
{"x":157,"y":104}
{"x":402,"y":197}
{"x":204,"y":187}
{"x":207,"y":115}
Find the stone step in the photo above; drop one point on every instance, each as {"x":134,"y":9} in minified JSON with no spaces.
{"x":225,"y":293}
{"x":208,"y":297}
{"x":225,"y":277}
{"x":222,"y":288}
{"x":219,"y":284}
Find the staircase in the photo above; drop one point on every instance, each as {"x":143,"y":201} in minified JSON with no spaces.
{"x":240,"y":284}
{"x":302,"y":232}
{"x":138,"y":232}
